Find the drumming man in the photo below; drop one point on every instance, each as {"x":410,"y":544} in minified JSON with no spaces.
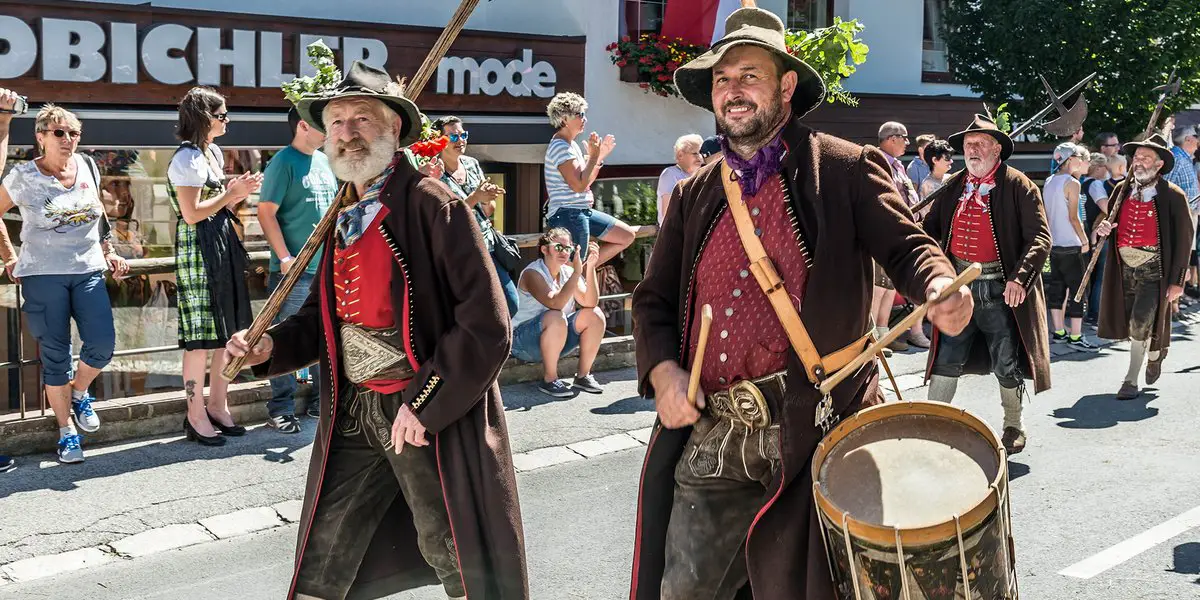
{"x":726,"y":494}
{"x":1147,"y":264}
{"x":992,"y":214}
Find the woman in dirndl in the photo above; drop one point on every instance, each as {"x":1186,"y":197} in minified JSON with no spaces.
{"x":210,"y":261}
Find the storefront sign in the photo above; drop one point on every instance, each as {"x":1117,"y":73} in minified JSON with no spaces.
{"x":85,"y":52}
{"x":139,"y":54}
{"x":520,"y":77}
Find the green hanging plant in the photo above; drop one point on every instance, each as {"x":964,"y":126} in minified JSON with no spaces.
{"x":328,"y":75}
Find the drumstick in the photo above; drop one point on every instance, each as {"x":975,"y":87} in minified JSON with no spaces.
{"x":964,"y":278}
{"x":694,"y":380}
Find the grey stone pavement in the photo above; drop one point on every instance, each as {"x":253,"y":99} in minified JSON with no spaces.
{"x":1098,"y":473}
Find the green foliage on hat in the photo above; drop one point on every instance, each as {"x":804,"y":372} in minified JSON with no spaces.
{"x":328,"y":75}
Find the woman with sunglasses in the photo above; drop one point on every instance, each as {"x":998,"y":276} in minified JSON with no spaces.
{"x":65,"y":249}
{"x":463,"y":175}
{"x":559,"y":293}
{"x":210,"y":261}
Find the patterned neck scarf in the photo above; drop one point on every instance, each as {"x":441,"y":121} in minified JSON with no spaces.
{"x":1143,"y":192}
{"x":353,"y":219}
{"x":753,"y":174}
{"x":978,"y":188}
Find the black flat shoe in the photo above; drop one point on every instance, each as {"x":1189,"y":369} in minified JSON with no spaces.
{"x":194,"y":436}
{"x":236,"y":430}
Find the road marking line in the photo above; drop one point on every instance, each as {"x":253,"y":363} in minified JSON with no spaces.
{"x":1119,"y":553}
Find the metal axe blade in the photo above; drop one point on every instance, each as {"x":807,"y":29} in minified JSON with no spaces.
{"x":1056,"y":103}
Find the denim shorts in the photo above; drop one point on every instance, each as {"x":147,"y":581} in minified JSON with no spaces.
{"x":527,"y":339}
{"x":582,"y":223}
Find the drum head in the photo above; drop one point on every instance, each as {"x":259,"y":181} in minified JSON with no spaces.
{"x":909,"y":471}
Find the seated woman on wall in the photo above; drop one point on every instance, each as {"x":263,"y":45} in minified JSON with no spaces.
{"x":558,"y":312}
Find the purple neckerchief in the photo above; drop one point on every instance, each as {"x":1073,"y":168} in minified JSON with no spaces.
{"x":752,"y":174}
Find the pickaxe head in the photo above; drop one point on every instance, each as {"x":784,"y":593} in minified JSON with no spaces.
{"x":1170,"y":89}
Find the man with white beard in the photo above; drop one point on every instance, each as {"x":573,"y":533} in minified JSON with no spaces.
{"x":1147,"y":261}
{"x":408,"y":317}
{"x":992,"y":214}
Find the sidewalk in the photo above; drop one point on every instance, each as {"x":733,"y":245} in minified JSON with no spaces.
{"x":174,"y":489}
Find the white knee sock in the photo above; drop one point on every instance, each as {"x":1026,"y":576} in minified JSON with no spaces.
{"x":1010,"y":399}
{"x":1137,"y":355}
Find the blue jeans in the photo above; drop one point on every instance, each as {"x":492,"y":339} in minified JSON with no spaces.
{"x":582,"y":222}
{"x":49,"y":304}
{"x":283,"y":388}
{"x":510,"y":288}
{"x":527,"y":339}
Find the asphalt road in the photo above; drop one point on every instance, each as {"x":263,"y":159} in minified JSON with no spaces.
{"x":1097,"y":474}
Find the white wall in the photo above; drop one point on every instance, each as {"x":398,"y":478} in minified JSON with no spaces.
{"x":645,"y":125}
{"x":893,"y":29}
{"x":554,"y":17}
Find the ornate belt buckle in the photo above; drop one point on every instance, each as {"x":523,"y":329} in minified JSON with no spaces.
{"x":749,"y":405}
{"x":365,"y":356}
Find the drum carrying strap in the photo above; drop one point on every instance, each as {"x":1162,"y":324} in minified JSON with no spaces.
{"x":816,"y":367}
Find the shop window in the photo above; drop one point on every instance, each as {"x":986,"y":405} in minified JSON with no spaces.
{"x":134,"y":194}
{"x":935,"y":67}
{"x":642,"y":16}
{"x":809,"y":14}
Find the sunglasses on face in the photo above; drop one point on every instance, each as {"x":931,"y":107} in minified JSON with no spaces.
{"x":457,"y":137}
{"x":222,"y":117}
{"x":561,"y":247}
{"x":58,"y":133}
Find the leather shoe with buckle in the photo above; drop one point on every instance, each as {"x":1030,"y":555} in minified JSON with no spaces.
{"x":1153,"y":371}
{"x":1013,"y":440}
{"x":1128,"y":391}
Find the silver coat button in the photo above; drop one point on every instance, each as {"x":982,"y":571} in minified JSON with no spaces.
{"x":737,"y":293}
{"x":729,"y":312}
{"x":744,"y":274}
{"x":725,"y":335}
{"x":724,"y":357}
{"x":755,"y":212}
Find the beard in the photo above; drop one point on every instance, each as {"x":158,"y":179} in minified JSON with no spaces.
{"x":350,"y":163}
{"x":755,"y":131}
{"x":981,"y":167}
{"x":1143,"y":175}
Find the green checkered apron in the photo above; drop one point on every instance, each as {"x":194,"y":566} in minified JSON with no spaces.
{"x":197,"y":324}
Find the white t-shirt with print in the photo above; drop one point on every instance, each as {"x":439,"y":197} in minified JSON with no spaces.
{"x":60,"y":232}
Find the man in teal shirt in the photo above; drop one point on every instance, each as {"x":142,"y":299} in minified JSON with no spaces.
{"x":298,"y":187}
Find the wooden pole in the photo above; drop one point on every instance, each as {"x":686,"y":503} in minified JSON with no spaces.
{"x":275,"y":302}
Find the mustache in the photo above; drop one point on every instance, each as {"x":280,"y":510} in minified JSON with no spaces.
{"x":354,"y":144}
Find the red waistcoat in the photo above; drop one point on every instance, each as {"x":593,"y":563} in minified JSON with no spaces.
{"x":1138,"y":225}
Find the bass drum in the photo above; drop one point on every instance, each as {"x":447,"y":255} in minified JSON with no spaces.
{"x":913,"y":505}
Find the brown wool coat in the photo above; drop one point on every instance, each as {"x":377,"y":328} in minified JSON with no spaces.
{"x":1175,"y":234}
{"x":1023,"y":238}
{"x":461,"y":336}
{"x":849,"y":213}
